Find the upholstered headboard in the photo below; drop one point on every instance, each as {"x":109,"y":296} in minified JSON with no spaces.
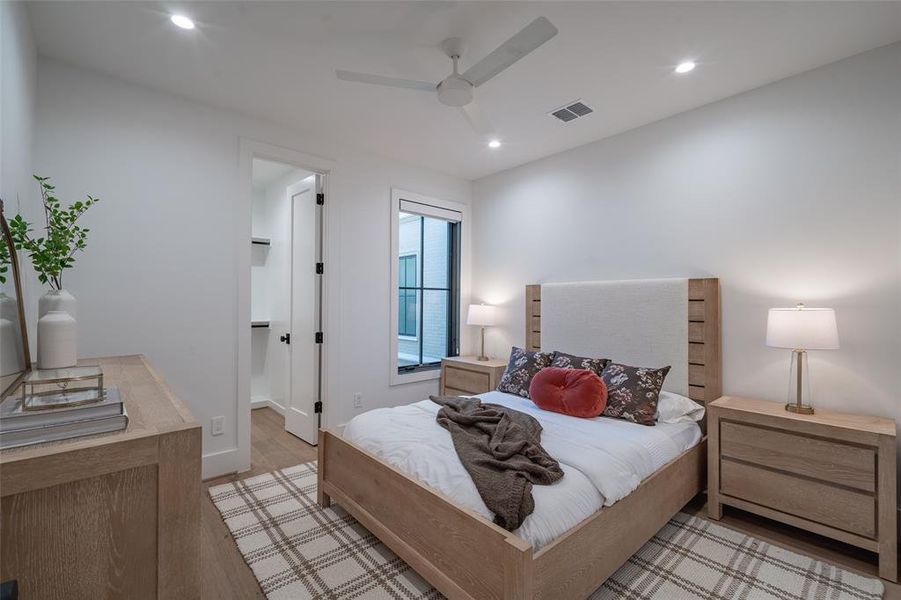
{"x":648,"y":323}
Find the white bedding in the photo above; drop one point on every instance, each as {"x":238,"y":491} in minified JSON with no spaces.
{"x":603,"y":459}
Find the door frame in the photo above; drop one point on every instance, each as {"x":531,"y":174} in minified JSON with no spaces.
{"x":248,"y":150}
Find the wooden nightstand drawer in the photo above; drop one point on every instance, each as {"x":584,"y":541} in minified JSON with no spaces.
{"x":841,"y":508}
{"x":831,"y":461}
{"x":473,"y":382}
{"x":827,"y":472}
{"x":468,"y":376}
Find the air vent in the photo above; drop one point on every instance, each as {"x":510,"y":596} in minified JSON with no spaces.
{"x":580,"y":109}
{"x":571,"y":111}
{"x":564,"y":115}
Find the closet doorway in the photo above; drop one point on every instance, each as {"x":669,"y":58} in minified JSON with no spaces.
{"x":287,"y":273}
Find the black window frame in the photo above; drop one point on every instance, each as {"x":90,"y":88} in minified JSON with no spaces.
{"x":452,"y":289}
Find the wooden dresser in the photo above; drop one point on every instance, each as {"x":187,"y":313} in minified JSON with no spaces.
{"x":115,"y":515}
{"x":830,"y":473}
{"x":467,"y":375}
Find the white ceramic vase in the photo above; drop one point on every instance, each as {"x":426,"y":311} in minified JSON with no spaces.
{"x":57,"y":300}
{"x":57,"y":340}
{"x":10,"y":337}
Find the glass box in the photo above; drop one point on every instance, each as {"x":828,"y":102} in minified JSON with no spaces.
{"x":54,"y":388}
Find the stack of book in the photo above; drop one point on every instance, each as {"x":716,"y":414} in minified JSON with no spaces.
{"x":19,"y":427}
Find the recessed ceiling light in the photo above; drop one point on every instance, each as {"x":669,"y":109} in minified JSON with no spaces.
{"x":494,"y":144}
{"x":685,"y":67}
{"x":182,"y":21}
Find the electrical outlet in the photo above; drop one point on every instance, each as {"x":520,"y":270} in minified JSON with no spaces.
{"x":217,"y":425}
{"x":358,"y":399}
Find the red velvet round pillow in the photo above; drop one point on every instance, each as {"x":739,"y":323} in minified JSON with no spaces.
{"x":573,"y":392}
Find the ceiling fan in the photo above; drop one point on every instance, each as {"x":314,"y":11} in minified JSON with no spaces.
{"x":457,"y":88}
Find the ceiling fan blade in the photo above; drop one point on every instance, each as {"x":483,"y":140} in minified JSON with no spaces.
{"x":531,"y":37}
{"x":410,"y":84}
{"x":477,"y":119}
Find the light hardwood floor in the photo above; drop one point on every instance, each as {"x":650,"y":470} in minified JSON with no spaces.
{"x":225,"y":575}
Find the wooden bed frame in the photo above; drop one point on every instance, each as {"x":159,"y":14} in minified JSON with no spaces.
{"x":467,"y":556}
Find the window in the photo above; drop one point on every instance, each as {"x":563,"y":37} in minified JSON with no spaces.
{"x":427,"y":237}
{"x":407,"y":290}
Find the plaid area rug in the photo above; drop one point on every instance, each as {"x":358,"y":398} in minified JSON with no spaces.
{"x":298,"y":550}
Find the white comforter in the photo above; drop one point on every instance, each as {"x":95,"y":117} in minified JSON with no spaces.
{"x":603,"y":459}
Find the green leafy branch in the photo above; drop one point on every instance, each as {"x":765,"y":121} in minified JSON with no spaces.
{"x":55,"y":251}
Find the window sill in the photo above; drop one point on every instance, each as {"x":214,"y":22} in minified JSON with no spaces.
{"x":415,"y":376}
{"x":408,"y":338}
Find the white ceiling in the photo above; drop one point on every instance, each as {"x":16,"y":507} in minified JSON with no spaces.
{"x":277,"y":59}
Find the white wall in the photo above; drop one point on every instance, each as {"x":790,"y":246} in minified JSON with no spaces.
{"x":261,"y":278}
{"x":17,"y":99}
{"x":18,"y":86}
{"x":787,"y":193}
{"x":160,"y":273}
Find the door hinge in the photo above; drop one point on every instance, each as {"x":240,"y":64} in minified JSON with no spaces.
{"x":320,"y":199}
{"x":320,"y":268}
{"x":318,"y":337}
{"x":285,"y":338}
{"x":317,"y":408}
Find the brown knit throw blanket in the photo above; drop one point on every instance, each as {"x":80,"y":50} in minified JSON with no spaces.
{"x":501,"y":450}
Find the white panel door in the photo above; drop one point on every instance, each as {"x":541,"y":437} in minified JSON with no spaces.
{"x":301,"y":418}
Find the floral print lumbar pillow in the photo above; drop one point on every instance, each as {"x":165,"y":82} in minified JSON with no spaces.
{"x":562,"y":360}
{"x":632,"y":392}
{"x":522,"y":367}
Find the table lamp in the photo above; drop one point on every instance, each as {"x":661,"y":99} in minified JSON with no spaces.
{"x":801,"y":329}
{"x":481,"y":315}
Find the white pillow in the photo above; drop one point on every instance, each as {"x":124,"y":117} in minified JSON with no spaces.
{"x":673,"y":408}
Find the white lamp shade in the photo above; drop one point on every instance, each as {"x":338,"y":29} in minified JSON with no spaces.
{"x":802,"y":328}
{"x":482,"y":315}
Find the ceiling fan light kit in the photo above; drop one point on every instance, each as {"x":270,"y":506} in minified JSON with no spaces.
{"x":456,"y":90}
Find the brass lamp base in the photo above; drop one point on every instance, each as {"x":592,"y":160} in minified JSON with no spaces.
{"x":482,"y":355}
{"x":799,"y":357}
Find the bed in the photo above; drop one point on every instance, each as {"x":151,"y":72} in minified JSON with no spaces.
{"x":427,"y":514}
{"x":603,"y":459}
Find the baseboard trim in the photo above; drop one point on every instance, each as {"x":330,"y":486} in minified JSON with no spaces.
{"x":261,"y":402}
{"x":219,"y":463}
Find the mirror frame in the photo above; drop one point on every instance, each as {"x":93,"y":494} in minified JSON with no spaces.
{"x":17,"y":281}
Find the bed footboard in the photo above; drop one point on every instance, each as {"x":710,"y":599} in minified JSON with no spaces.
{"x":466,"y":556}
{"x":458,"y":551}
{"x":575,"y":564}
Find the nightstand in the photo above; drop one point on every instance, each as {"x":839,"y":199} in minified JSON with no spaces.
{"x":465,"y":375}
{"x":830,"y":473}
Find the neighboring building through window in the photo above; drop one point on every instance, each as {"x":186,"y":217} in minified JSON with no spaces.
{"x":407,"y":276}
{"x":428,"y":289}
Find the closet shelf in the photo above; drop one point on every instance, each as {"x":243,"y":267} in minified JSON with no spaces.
{"x":260,"y":241}
{"x":260,"y":324}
